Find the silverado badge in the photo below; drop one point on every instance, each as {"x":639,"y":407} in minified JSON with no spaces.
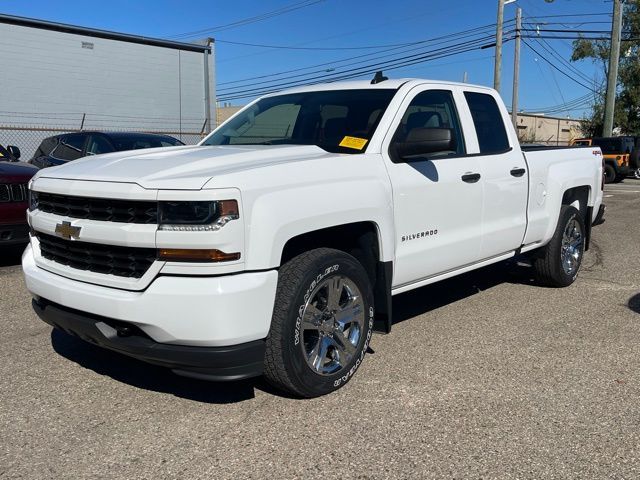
{"x":66,"y":230}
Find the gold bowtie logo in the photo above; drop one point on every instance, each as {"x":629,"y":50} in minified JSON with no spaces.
{"x":68,"y":231}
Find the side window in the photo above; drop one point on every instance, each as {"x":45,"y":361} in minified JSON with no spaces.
{"x":432,"y":109}
{"x":488,"y":121}
{"x":97,"y":145}
{"x":70,"y":147}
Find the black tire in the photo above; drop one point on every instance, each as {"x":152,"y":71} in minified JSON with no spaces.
{"x":285,"y":366}
{"x":618,"y":179}
{"x":548,"y":264}
{"x":609,"y":174}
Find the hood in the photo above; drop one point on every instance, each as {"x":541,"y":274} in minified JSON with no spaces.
{"x":16,"y":172}
{"x":180,"y":168}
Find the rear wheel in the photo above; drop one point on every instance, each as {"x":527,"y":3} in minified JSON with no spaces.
{"x":636,"y":173}
{"x":609,"y":174}
{"x":561,"y":258}
{"x":322,"y":323}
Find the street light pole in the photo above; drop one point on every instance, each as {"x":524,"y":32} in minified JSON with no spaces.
{"x":516,"y":70}
{"x":497,"y":64}
{"x":612,"y":78}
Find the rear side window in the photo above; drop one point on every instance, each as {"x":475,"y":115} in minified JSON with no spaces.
{"x":487,"y":119}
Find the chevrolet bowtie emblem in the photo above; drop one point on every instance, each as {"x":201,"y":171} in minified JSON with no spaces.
{"x":68,"y":231}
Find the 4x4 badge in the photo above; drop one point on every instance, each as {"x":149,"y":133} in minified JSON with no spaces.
{"x":68,"y":231}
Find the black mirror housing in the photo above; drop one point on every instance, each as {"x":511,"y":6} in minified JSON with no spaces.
{"x":422,"y":141}
{"x":14,"y":151}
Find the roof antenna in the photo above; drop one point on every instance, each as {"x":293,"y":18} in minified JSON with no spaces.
{"x":378,"y":78}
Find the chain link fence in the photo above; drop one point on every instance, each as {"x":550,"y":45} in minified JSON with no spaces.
{"x":28,"y":138}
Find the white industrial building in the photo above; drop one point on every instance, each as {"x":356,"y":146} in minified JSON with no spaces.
{"x":58,"y":77}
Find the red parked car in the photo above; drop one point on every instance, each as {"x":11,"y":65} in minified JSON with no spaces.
{"x":14,"y":176}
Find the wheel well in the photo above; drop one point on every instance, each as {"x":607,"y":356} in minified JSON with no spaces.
{"x":361,"y":241}
{"x":578,"y":197}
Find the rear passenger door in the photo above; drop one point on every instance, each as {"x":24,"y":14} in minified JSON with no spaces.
{"x":437,"y":200}
{"x":504,"y":176}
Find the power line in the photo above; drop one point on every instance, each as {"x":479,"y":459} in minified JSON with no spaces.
{"x":555,"y":67}
{"x":368,"y":69}
{"x":463,"y":34}
{"x":545,"y":45}
{"x":288,"y":47}
{"x":250,"y":20}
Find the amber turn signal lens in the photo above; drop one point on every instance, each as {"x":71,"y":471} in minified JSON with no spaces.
{"x":196,"y":255}
{"x":228,"y":208}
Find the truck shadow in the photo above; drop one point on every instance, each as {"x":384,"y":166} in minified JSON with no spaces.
{"x":11,"y":255}
{"x":431,"y":297}
{"x":150,"y":377}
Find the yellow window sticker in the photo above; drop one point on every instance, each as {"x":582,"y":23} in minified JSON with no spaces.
{"x":353,"y":142}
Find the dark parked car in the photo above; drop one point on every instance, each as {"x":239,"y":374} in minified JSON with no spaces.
{"x":14,"y":176}
{"x":60,"y":149}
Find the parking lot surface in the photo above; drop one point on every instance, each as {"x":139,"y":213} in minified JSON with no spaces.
{"x":483,"y":376}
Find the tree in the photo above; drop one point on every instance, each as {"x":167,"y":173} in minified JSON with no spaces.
{"x":627,"y":111}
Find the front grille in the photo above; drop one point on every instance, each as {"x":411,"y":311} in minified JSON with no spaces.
{"x":13,"y":192}
{"x":130,"y":262}
{"x":106,"y":210}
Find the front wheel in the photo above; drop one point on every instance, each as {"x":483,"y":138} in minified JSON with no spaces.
{"x":561,"y":258}
{"x":636,"y":173}
{"x":321,"y":325}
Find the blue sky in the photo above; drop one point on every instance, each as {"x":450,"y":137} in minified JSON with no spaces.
{"x":352,"y":25}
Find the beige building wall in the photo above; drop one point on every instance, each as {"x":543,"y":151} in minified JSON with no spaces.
{"x":547,"y":130}
{"x":224,"y":113}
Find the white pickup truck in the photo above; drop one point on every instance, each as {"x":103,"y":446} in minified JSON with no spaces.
{"x":275,"y":245}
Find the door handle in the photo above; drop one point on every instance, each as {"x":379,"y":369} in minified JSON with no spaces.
{"x":471,"y":177}
{"x":517,"y":172}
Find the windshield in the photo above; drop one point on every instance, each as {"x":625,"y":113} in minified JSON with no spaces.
{"x":340,"y":121}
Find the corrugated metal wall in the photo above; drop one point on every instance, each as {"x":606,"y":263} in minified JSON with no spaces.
{"x":54,"y":79}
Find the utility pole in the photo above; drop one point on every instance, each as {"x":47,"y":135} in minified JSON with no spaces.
{"x":516,"y":70}
{"x":612,"y":78}
{"x":497,"y":64}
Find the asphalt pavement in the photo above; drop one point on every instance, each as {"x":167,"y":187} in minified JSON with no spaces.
{"x":486,"y":375}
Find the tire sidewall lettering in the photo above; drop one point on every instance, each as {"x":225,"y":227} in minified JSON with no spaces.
{"x":305,"y":298}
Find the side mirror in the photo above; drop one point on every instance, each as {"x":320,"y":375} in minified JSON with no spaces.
{"x":421,"y":141}
{"x":14,"y":151}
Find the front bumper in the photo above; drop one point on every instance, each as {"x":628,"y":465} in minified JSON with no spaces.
{"x":212,"y":363}
{"x":194,"y":310}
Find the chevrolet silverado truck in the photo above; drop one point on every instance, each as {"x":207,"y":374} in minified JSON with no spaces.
{"x":274,"y":246}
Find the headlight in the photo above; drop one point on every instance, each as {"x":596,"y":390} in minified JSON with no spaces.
{"x":196,"y":216}
{"x":33,"y":199}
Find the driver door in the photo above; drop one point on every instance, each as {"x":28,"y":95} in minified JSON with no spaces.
{"x":437,"y":198}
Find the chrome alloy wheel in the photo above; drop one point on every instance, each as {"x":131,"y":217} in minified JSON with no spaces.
{"x":332,"y":324}
{"x":636,"y":173}
{"x":571,"y":248}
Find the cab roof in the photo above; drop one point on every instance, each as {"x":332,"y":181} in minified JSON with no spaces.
{"x":393,"y":84}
